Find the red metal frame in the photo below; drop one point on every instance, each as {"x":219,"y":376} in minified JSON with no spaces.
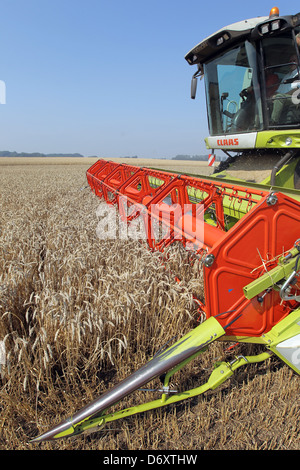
{"x":261,"y":234}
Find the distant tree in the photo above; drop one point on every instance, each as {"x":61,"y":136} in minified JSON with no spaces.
{"x":6,"y":153}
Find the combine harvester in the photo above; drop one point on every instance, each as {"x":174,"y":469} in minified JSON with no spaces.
{"x":245,"y":231}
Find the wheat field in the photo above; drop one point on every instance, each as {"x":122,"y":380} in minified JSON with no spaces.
{"x":78,"y":314}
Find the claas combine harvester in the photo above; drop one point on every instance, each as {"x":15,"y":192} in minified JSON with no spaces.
{"x":245,"y":230}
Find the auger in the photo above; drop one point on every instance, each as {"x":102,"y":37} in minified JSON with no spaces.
{"x":246,"y":232}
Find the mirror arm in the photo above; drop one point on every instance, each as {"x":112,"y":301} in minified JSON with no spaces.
{"x":197,"y":74}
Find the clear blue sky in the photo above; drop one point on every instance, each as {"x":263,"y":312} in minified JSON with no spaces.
{"x":108,"y":78}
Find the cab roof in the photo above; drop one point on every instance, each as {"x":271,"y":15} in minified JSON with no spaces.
{"x":228,"y":35}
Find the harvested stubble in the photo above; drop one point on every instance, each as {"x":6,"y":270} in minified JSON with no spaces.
{"x":78,"y":314}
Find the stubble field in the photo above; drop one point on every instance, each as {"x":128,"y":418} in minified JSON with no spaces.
{"x":78,"y":314}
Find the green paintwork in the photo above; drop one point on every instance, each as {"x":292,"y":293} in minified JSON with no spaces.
{"x":270,"y":278}
{"x":277,"y":139}
{"x":201,"y":336}
{"x":221,"y":372}
{"x":194,"y":343}
{"x":285,"y":176}
{"x":287,"y":328}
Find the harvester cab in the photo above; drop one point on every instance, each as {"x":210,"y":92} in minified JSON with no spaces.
{"x":243,"y":230}
{"x":252,"y":81}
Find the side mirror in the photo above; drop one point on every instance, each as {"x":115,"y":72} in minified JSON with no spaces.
{"x":194,"y":87}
